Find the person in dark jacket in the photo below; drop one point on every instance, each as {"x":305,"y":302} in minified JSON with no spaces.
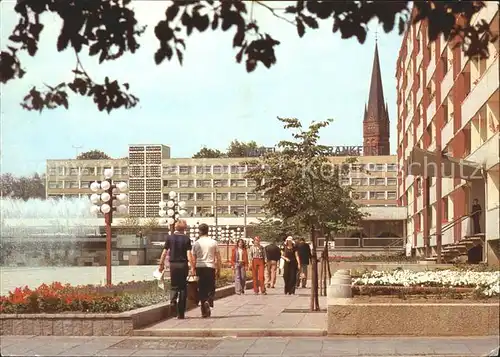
{"x":476,"y":216}
{"x":178,"y":250}
{"x":304,"y":251}
{"x":273,"y":254}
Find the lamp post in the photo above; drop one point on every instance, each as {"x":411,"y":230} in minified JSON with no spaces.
{"x":227,"y":242}
{"x":112,"y":197}
{"x":173,"y":209}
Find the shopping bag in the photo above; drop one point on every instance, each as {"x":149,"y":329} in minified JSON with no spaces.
{"x":160,"y":276}
{"x":192,"y":290}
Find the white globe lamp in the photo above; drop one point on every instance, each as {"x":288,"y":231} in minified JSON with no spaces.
{"x":170,"y":212}
{"x":94,"y":186}
{"x":105,"y":197}
{"x":95,"y":209}
{"x":122,"y":186}
{"x":122,"y":209}
{"x":122,"y":197}
{"x":105,"y":208}
{"x":94,"y":198}
{"x":105,"y":185}
{"x":170,"y":220}
{"x":182,"y":204}
{"x":170,"y":204}
{"x":172,"y":194}
{"x":162,"y":213}
{"x":162,"y":204}
{"x":108,"y":173}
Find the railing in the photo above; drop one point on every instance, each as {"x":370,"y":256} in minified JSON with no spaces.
{"x":453,"y":223}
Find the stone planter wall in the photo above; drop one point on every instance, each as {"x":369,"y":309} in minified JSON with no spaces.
{"x":406,"y":319}
{"x":80,"y":324}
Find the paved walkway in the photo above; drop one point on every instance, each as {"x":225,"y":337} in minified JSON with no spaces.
{"x":239,"y":347}
{"x":249,"y":315}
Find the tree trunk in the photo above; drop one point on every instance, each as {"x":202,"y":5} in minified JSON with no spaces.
{"x":321,"y":275}
{"x":314,"y":305}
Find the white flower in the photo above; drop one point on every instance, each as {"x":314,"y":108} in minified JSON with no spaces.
{"x":487,"y":283}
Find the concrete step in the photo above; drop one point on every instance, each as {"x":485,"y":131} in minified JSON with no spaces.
{"x":232,"y":332}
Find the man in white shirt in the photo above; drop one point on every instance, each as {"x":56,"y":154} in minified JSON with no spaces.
{"x":208,"y":263}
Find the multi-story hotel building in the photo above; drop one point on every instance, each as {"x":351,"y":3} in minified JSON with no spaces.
{"x":448,"y":140}
{"x":206,"y":185}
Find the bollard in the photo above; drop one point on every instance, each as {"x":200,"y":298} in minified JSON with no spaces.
{"x":340,"y":285}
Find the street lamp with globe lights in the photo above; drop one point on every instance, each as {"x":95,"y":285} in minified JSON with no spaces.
{"x":111,"y":198}
{"x":172,"y":210}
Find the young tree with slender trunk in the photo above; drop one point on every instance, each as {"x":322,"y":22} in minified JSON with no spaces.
{"x":302,"y":186}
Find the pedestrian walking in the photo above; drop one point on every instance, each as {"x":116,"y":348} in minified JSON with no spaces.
{"x":208,"y":264}
{"x":304,"y":251}
{"x":178,"y":249}
{"x":292,"y":264}
{"x":239,"y":262}
{"x":258,"y":260}
{"x":273,"y":255}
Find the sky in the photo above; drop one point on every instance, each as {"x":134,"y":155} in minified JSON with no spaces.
{"x":209,"y":101}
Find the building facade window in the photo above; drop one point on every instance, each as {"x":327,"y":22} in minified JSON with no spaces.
{"x":170,"y":183}
{"x":203,"y":183}
{"x":221,"y":183}
{"x":238,"y":183}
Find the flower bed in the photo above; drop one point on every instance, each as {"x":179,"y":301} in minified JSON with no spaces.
{"x":485,"y":284}
{"x":59,"y":298}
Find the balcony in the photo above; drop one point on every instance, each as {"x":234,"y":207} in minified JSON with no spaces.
{"x":420,"y":131}
{"x":420,"y":240}
{"x":420,"y":57}
{"x":409,"y":117}
{"x":447,"y":133}
{"x":431,"y":110}
{"x":446,"y":84}
{"x":487,"y":154}
{"x":480,"y":94}
{"x":409,"y":181}
{"x":430,"y":71}
{"x":420,"y":203}
{"x":408,"y":88}
{"x":432,"y":194}
{"x":487,"y":13}
{"x":420,"y":94}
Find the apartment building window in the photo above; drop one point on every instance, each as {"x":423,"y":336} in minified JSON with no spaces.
{"x":359,"y":181}
{"x":73,"y":171}
{"x":392,"y":181}
{"x":377,"y":195}
{"x":345,"y":181}
{"x":55,"y":184}
{"x":392,"y":167}
{"x":203,"y":183}
{"x":223,"y":196}
{"x":186,"y":170}
{"x":238,"y":169}
{"x":391,"y":195}
{"x":183,"y":196}
{"x":71,"y":184}
{"x":221,"y":183}
{"x":203,"y":169}
{"x":206,"y":196}
{"x":88,"y":171}
{"x":360,"y":195}
{"x":238,"y":183}
{"x":218,"y":169}
{"x":171,"y":183}
{"x":253,"y":209}
{"x":239,"y":210}
{"x":186,"y":183}
{"x":252,"y":183}
{"x":251,"y":196}
{"x":222,"y":210}
{"x":84,"y":184}
{"x":169,"y":170}
{"x":204,"y":210}
{"x":357,"y":167}
{"x":377,"y":181}
{"x":238,"y":196}
{"x":52,"y":171}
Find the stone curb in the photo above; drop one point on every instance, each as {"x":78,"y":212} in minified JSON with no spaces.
{"x":74,"y":324}
{"x":224,"y":332}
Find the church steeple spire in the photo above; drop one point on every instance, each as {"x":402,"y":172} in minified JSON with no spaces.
{"x":376,"y":118}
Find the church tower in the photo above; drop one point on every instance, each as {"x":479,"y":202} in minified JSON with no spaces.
{"x":376,"y":120}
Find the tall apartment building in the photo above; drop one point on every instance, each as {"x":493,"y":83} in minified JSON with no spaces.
{"x":206,"y":185}
{"x":448,"y":118}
